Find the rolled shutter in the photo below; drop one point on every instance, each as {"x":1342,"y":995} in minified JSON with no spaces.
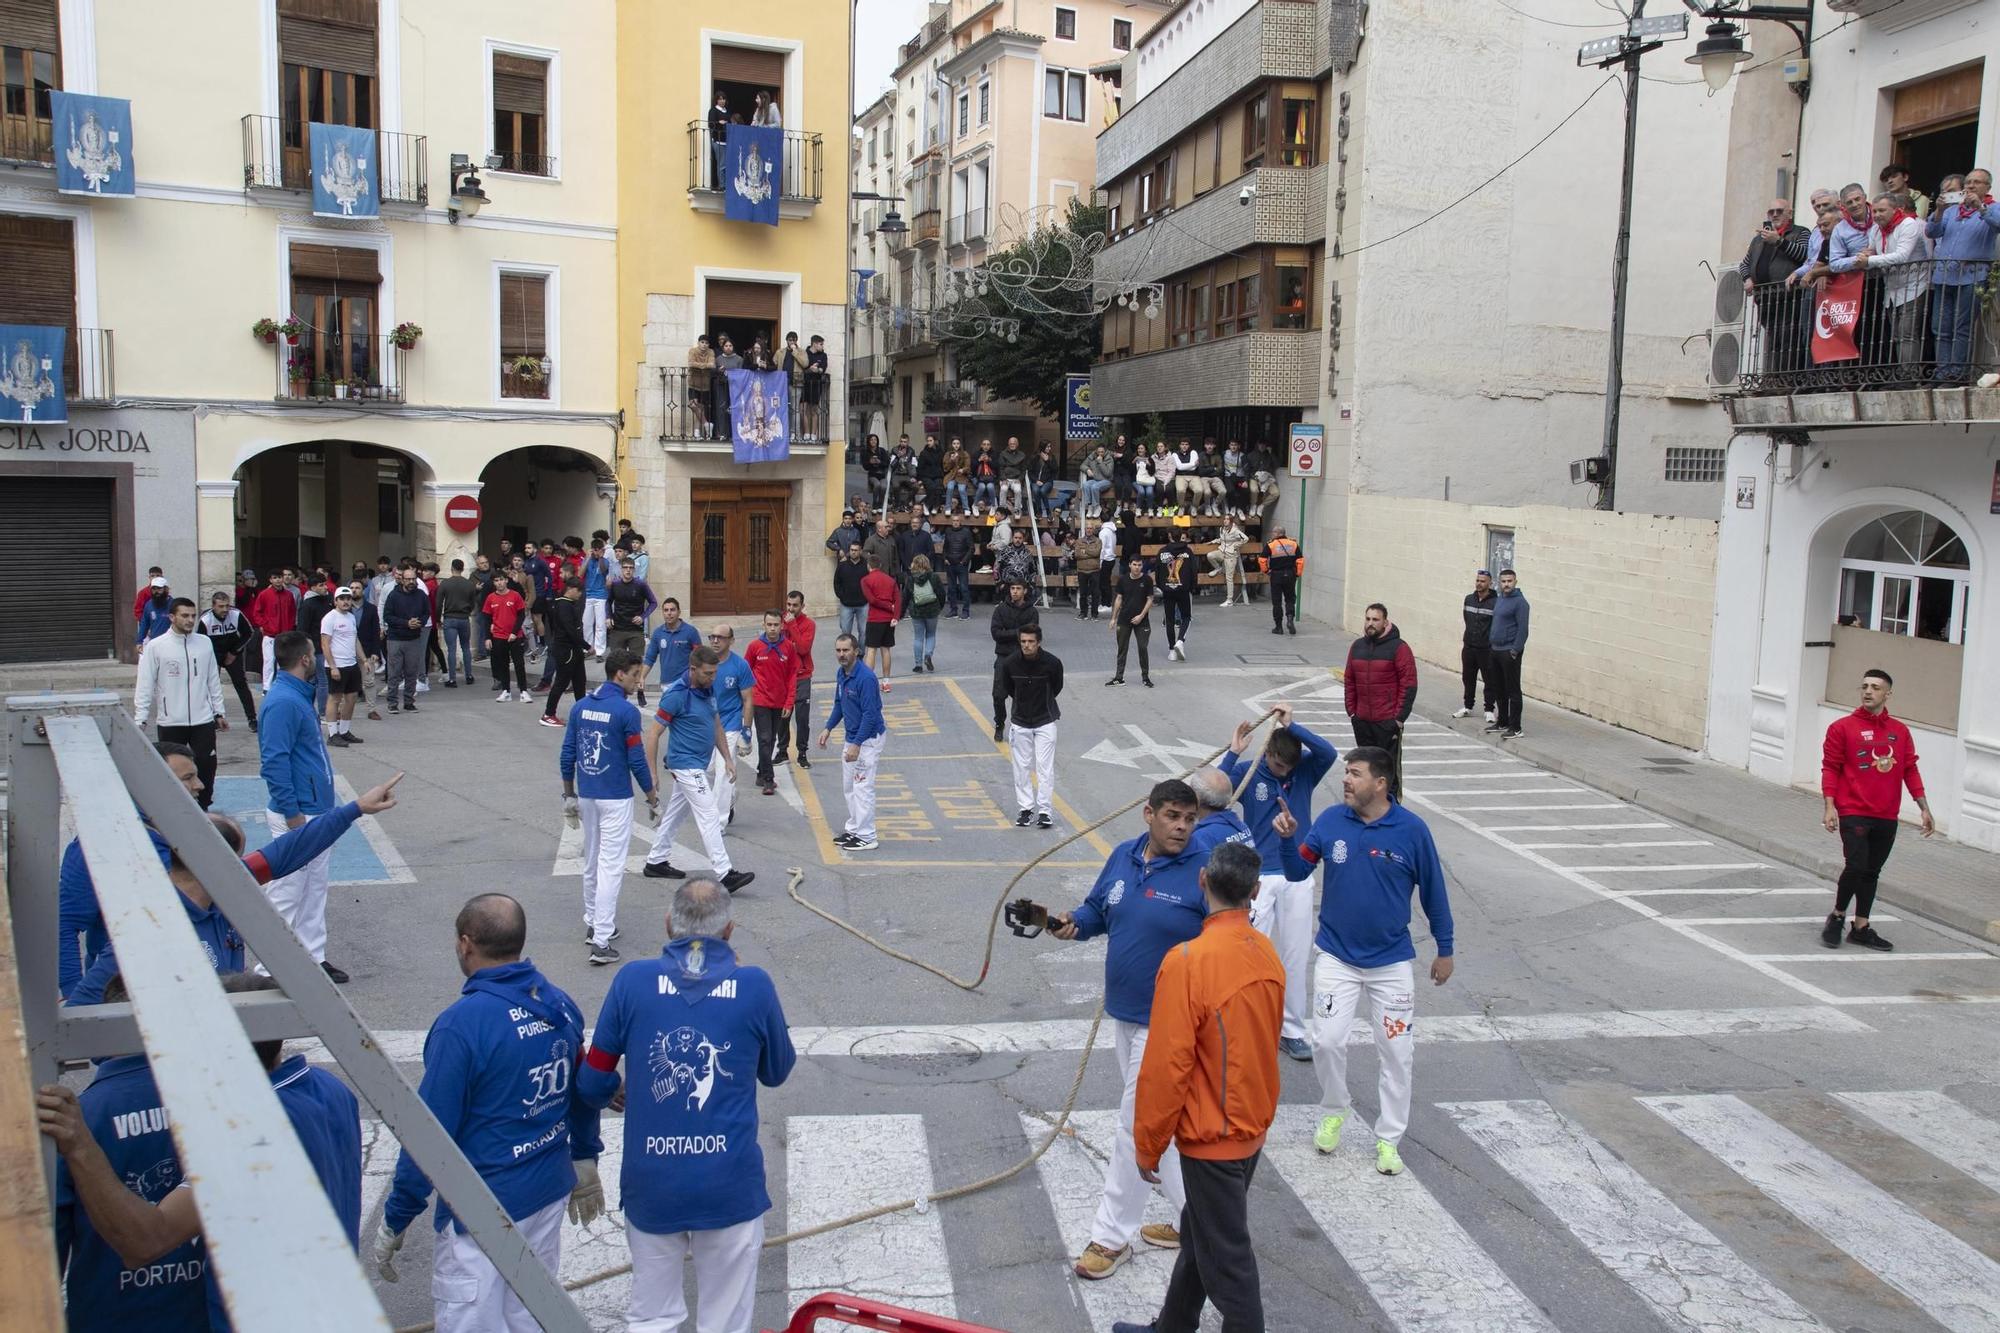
{"x":523,"y":314}
{"x":743,"y":300}
{"x":741,"y":64}
{"x":520,"y":84}
{"x":37,"y":271}
{"x":335,"y":263}
{"x":43,"y":514}
{"x":31,"y":24}
{"x":336,"y":35}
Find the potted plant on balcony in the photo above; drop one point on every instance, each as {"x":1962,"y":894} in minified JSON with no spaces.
{"x":526,"y":368}
{"x":298,"y":369}
{"x":267,"y":329}
{"x":405,"y":335}
{"x":293,"y":328}
{"x":322,"y":387}
{"x":340,"y":387}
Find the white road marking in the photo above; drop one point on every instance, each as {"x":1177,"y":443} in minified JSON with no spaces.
{"x":1676,"y":1265}
{"x":1945,"y":1129}
{"x":1072,"y":1175}
{"x":1667,"y":869}
{"x":378,"y":841}
{"x":1766,"y":920}
{"x":1623,"y":842}
{"x":1793,"y":891}
{"x":1510,"y":791}
{"x":1947,"y":1278}
{"x":406,"y":1046}
{"x":1462,"y":763}
{"x":900,"y":1258}
{"x":1576,"y":805}
{"x":1576,"y":828}
{"x":1489,"y":749}
{"x":569,"y":850}
{"x":1419,"y":1264}
{"x":1870,"y":956}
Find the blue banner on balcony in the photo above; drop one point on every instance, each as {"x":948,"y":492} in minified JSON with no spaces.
{"x":760,"y":413}
{"x":93,"y":144}
{"x":344,"y":171}
{"x":31,"y":373}
{"x":753,"y":168}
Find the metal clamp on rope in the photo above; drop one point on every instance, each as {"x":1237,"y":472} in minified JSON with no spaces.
{"x":1027,"y":918}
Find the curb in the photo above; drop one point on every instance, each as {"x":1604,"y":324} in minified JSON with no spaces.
{"x":1901,"y":892}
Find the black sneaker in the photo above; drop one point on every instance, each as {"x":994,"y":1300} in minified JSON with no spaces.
{"x":1045,"y":822}
{"x":1025,"y":818}
{"x":352,"y":739}
{"x":409,"y":708}
{"x":394,"y":709}
{"x":1866,"y":937}
{"x":334,"y":974}
{"x":1115,"y":680}
{"x":589,"y":934}
{"x":1147,"y":681}
{"x":1493,"y":728}
{"x":253,"y":726}
{"x":929,"y":665}
{"x":1291,"y":628}
{"x":844,"y":840}
{"x":450,"y":683}
{"x":736,"y":879}
{"x":337,"y":739}
{"x":662,"y":870}
{"x":1276,"y":630}
{"x":602,"y":954}
{"x":1829,"y":934}
{"x":803,"y":761}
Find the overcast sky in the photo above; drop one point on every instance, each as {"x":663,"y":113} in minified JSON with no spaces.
{"x":880,"y":27}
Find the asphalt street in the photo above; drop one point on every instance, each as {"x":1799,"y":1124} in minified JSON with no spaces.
{"x":1647,"y":1099}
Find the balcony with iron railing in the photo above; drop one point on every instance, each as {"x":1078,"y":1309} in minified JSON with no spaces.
{"x":1899,"y":343}
{"x":526,"y":377}
{"x":862,"y":369}
{"x":27,"y":139}
{"x":924,"y":227}
{"x":521,"y":164}
{"x":969,"y":227}
{"x":932,"y":31}
{"x":276,"y":156}
{"x":86,"y":368}
{"x":798,"y":173}
{"x":947,"y":397}
{"x":325,"y":367}
{"x":694,"y":410}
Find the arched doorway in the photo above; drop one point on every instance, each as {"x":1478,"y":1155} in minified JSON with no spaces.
{"x":544,"y":493}
{"x":328,"y":502}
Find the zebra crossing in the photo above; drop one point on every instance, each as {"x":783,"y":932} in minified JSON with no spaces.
{"x":1411,"y":1251}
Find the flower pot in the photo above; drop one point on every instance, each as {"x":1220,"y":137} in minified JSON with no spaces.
{"x":291,"y":340}
{"x":299,"y":387}
{"x":271,"y":337}
{"x":340,"y":391}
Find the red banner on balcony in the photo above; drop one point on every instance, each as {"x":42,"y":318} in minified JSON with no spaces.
{"x":1835,"y":319}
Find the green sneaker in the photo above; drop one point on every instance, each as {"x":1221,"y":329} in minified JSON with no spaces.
{"x":1387,"y":1160}
{"x":1327,"y":1137}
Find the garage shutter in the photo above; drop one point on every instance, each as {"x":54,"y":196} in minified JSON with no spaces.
{"x":43,"y":514}
{"x":740,"y":64}
{"x":743,"y":300}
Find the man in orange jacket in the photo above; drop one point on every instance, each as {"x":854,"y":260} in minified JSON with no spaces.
{"x":1208,"y":1084}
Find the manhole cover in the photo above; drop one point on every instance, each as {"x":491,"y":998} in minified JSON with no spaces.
{"x":911,"y":1053}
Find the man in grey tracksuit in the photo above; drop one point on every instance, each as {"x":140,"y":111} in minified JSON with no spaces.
{"x":1509,"y":639}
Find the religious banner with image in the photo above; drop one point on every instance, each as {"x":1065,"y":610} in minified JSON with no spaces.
{"x":344,"y":171}
{"x":1835,"y":318}
{"x":760,"y":415}
{"x":753,"y":164}
{"x":93,"y":144}
{"x":31,"y":373}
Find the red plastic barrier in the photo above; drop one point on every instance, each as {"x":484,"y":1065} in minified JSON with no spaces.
{"x":857,"y":1312}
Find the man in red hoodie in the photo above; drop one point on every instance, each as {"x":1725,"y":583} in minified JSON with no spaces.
{"x":884,"y":599}
{"x":274,"y":612}
{"x":801,"y":629}
{"x":1868,"y":759}
{"x":774,"y":667}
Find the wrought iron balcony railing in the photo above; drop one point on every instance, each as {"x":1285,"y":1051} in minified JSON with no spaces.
{"x":522,"y":164}
{"x":694,"y":407}
{"x":799,"y":173}
{"x":333,"y":367}
{"x":277,"y":156}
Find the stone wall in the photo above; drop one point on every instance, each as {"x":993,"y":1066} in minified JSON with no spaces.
{"x":1622,"y":603}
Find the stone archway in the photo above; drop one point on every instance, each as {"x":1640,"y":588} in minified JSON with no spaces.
{"x":330,"y":502}
{"x":543,"y":492}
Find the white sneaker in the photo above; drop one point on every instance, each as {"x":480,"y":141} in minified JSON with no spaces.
{"x":502,"y":697}
{"x":1227,"y":601}
{"x":1461,"y":712}
{"x":524,"y":696}
{"x":423,"y":687}
{"x":1492,"y":716}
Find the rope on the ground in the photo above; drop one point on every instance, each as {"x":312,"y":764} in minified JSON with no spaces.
{"x":796,"y":876}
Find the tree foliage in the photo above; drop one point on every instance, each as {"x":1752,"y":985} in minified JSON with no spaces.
{"x":1049,"y":347}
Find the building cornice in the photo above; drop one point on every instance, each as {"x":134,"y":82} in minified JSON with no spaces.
{"x":1000,"y":42}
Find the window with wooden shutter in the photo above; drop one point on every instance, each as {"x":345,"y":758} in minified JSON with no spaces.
{"x":327,"y":59}
{"x":38,"y":280}
{"x":743,"y":300}
{"x":524,"y":334}
{"x":520,"y":114}
{"x":742,"y":64}
{"x":31,"y":60}
{"x":336,"y":294}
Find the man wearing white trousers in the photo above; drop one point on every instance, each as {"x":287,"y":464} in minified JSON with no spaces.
{"x":1031,"y":678}
{"x":1147,"y":899}
{"x":1375,"y":854}
{"x":687,"y":716}
{"x":602,"y":752}
{"x":298,"y":784}
{"x":1293,"y":762}
{"x":857,"y":711}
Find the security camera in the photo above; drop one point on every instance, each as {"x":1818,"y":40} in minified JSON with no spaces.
{"x":1246,"y":194}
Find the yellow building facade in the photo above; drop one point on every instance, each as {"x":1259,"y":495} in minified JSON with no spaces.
{"x":728,"y":537}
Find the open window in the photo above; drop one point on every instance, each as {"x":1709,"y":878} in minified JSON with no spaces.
{"x":521,"y":114}
{"x":336,"y":293}
{"x":31,"y":58}
{"x":327,"y":54}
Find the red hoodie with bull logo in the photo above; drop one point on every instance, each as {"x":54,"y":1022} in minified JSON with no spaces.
{"x":1868,"y":759}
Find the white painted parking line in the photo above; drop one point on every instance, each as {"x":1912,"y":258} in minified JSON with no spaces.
{"x":1765,"y":920}
{"x":901,"y":1257}
{"x":1628,"y":842}
{"x":1408,"y":748}
{"x":1675,"y":1264}
{"x":1572,"y":828}
{"x":1794,"y":891}
{"x":1423,"y":1269}
{"x":1665,"y":870}
{"x":1945,"y":1277}
{"x":1871,"y":956}
{"x":1940,"y":1126}
{"x":1459,"y":763}
{"x":1072,"y":1175}
{"x":1554,"y":805}
{"x":1509,"y":791}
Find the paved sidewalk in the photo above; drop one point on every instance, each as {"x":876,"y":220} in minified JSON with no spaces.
{"x":1946,"y":882}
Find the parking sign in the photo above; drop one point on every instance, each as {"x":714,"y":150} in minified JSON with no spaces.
{"x":1308,"y":449}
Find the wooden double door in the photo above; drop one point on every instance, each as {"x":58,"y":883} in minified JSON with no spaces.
{"x":739,"y":546}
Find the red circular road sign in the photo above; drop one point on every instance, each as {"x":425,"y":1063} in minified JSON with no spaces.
{"x":461,"y":513}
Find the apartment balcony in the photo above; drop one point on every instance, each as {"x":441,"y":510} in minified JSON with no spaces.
{"x":800,"y":173}
{"x":690,"y":412}
{"x":332,"y":368}
{"x":1289,"y":208}
{"x":1905,"y":373}
{"x":969,"y":227}
{"x":932,"y":31}
{"x":915,"y":338}
{"x":924,"y":227}
{"x":954,"y":398}
{"x":867,"y":369}
{"x":26,"y":140}
{"x":525,"y":377}
{"x":521,"y":164}
{"x":276,"y":157}
{"x":1267,"y":368}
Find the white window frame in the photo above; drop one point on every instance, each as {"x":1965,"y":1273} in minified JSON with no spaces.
{"x":1884,"y":570}
{"x":793,"y":51}
{"x":551,"y":119}
{"x":388,"y":63}
{"x":965,"y":113}
{"x":1063,"y":76}
{"x":1055,"y":24}
{"x":551,"y":331}
{"x":985,"y":102}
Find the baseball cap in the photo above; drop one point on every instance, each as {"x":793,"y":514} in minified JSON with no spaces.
{"x":159,"y":583}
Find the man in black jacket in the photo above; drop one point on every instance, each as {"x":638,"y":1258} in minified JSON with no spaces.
{"x":847,"y":576}
{"x":631,"y":606}
{"x":1778,"y":248}
{"x":368,"y":632}
{"x":567,"y":648}
{"x":314,"y":603}
{"x":405,"y":612}
{"x":1031,"y":679}
{"x":930,"y":472}
{"x":875,"y":464}
{"x":1475,"y":656}
{"x":955,"y":549}
{"x":1011,"y":614}
{"x":229,"y":634}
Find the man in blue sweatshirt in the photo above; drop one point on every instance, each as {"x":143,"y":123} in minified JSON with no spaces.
{"x":596,"y":596}
{"x":1293,"y":762}
{"x":689,"y":720}
{"x":701,"y":1031}
{"x":500,"y":1074}
{"x":1147,"y":899}
{"x":1218,"y":823}
{"x":669,"y":645}
{"x":857,"y":711}
{"x":1509,"y":640}
{"x":603,"y":751}
{"x":1376,"y":854}
{"x":298,"y":784}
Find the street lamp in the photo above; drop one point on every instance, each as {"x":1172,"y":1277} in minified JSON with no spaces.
{"x":1718,"y":54}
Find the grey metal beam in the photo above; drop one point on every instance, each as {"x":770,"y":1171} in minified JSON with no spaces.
{"x":98,"y":1031}
{"x":276,"y":1244}
{"x":326,"y":1011}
